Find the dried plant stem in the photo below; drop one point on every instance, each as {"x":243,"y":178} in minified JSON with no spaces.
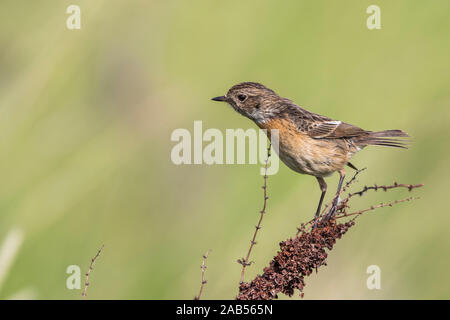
{"x":303,"y":254}
{"x":297,"y":258}
{"x":381,"y":205}
{"x":203,"y":267}
{"x":385,"y":188}
{"x":91,"y":267}
{"x":245,"y":262}
{"x":352,"y":180}
{"x":344,"y":203}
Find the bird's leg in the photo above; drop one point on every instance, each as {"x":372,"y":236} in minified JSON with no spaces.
{"x":323,"y":188}
{"x":333,"y":209}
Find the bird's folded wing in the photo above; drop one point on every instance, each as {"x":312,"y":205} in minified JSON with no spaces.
{"x":333,"y":130}
{"x":318,"y":126}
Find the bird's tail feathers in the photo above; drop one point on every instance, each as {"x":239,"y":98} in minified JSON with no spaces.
{"x":385,"y":138}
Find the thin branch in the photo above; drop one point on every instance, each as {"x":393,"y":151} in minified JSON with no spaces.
{"x":371,"y":208}
{"x":353,"y":179}
{"x":245,"y":262}
{"x":91,"y":267}
{"x":385,"y":188}
{"x":203,"y":267}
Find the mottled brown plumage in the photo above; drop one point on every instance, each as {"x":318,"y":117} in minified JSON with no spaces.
{"x":309,"y":143}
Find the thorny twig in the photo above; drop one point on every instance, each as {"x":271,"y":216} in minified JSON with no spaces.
{"x":344,"y":203}
{"x":353,"y":179}
{"x":381,"y":205}
{"x":91,"y":267}
{"x":307,"y":251}
{"x":245,"y":262}
{"x":203,"y":267}
{"x":385,"y":188}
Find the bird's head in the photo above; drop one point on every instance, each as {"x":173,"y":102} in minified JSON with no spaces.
{"x":252,"y":100}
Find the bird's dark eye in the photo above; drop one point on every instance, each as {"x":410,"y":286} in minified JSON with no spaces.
{"x":242,"y":97}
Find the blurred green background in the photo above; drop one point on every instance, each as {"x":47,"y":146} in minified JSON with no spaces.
{"x":87,"y":115}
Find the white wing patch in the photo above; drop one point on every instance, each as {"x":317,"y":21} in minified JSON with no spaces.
{"x":323,"y":129}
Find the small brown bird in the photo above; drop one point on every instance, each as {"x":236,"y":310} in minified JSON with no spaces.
{"x":308,"y":142}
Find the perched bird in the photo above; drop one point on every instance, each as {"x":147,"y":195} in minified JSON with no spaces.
{"x":308,"y":142}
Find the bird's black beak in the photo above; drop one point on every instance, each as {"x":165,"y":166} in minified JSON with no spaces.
{"x":221,"y":98}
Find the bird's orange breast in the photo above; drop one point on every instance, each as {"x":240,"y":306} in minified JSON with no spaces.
{"x":289,"y":136}
{"x":304,"y":154}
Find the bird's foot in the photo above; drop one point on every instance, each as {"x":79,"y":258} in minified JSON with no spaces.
{"x":332,"y":212}
{"x":315,"y":224}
